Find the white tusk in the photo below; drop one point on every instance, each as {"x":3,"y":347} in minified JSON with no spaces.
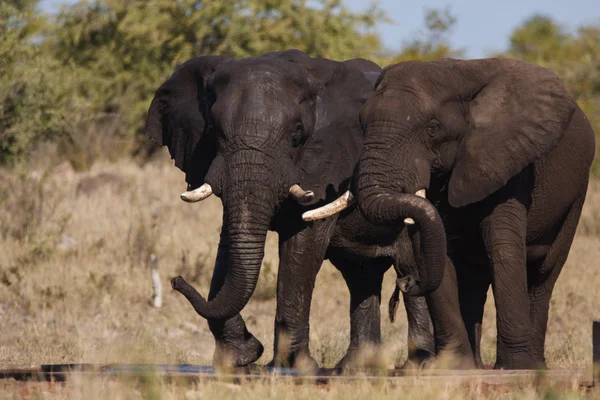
{"x":300,"y":195}
{"x":343,"y":202}
{"x":199,"y":194}
{"x":420,"y":193}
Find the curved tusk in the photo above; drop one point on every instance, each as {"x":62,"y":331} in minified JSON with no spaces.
{"x":199,"y":194}
{"x":343,"y":202}
{"x":420,"y":193}
{"x":300,"y":195}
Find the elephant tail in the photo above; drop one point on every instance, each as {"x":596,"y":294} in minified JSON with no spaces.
{"x":393,"y":304}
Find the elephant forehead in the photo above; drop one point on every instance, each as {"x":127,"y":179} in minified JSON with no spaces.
{"x":263,"y":76}
{"x":258,"y":132}
{"x":258,"y":135}
{"x":400,"y":103}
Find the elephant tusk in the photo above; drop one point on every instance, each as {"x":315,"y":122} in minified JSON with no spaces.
{"x":420,"y":193}
{"x":199,"y":194}
{"x":300,"y":195}
{"x":343,"y":202}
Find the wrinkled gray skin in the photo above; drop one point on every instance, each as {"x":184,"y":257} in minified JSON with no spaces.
{"x":252,"y":128}
{"x":505,"y":154}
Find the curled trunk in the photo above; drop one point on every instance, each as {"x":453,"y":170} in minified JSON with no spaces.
{"x":391,"y":210}
{"x":248,"y":210}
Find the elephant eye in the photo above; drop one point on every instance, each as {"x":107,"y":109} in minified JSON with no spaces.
{"x":297,"y":134}
{"x":433,"y":127}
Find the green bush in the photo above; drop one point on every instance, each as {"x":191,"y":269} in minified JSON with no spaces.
{"x":574,"y":57}
{"x":103,"y":60}
{"x":83,"y":78}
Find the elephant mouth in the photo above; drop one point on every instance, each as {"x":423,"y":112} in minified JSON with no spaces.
{"x":303,"y":197}
{"x":407,"y":283}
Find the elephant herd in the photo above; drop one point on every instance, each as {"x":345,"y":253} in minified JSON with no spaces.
{"x":460,"y":174}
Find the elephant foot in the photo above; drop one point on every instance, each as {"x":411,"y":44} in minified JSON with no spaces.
{"x":301,"y":361}
{"x":450,"y":360}
{"x":237,"y":354}
{"x":417,"y":360}
{"x":520,"y":361}
{"x":368,"y":357}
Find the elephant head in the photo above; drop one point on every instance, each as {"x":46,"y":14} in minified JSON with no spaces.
{"x":471,"y":125}
{"x":462,"y":127}
{"x":257,"y":132}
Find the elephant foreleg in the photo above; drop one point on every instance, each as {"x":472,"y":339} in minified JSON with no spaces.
{"x":300,"y":258}
{"x":364,"y":282}
{"x":421,"y":344}
{"x":452,"y":346}
{"x":473,"y":284}
{"x":504,"y":234}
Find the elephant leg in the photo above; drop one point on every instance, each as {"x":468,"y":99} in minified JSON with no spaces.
{"x":421,"y":343}
{"x":541,"y":291}
{"x":364,"y":282}
{"x":539,"y":303}
{"x":473,"y":285}
{"x":504,"y":233}
{"x":451,"y":339}
{"x":300,"y":258}
{"x":235,"y":346}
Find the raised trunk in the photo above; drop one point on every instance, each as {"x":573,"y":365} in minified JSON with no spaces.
{"x":248,"y":209}
{"x":390,"y":209}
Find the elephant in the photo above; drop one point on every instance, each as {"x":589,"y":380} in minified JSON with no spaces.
{"x":504,"y":154}
{"x":276,"y":136}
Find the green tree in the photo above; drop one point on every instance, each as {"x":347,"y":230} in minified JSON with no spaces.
{"x":90,"y":73}
{"x":433,"y":43}
{"x":574,"y":57}
{"x":18,"y":23}
{"x":130,"y":47}
{"x":39,"y":96}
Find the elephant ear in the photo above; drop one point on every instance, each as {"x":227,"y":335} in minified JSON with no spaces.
{"x":177,"y":117}
{"x":330,"y":155}
{"x":518,"y":114}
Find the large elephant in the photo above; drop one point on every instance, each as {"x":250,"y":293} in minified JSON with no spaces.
{"x":504,"y":153}
{"x":274,"y":136}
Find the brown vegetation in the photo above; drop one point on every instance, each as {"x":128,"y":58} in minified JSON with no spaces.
{"x":75,"y":284}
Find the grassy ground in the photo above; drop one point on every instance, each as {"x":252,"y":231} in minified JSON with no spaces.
{"x":75,"y":287}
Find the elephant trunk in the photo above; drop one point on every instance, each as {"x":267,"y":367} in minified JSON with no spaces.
{"x":391,"y":209}
{"x":248,"y":209}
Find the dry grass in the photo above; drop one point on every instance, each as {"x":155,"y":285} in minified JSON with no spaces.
{"x":75,"y":287}
{"x":124,"y":388}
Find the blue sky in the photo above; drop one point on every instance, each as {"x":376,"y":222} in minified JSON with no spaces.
{"x":482,"y":26}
